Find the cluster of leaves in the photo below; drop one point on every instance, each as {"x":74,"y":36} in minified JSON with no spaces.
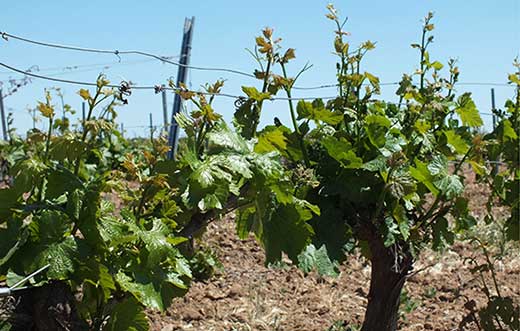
{"x":500,"y":312}
{"x":503,"y":178}
{"x":503,"y":146}
{"x":118,"y":226}
{"x":368,"y":164}
{"x":54,"y":213}
{"x":221,"y":170}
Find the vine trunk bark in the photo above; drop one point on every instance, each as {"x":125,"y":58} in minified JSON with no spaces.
{"x":390,"y":266}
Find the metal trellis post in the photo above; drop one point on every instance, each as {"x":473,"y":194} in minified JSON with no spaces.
{"x":493,"y":108}
{"x":493,"y":111}
{"x":151,"y":128}
{"x":83,"y":113}
{"x":182,"y":73}
{"x":165,"y":110}
{"x":2,"y":114}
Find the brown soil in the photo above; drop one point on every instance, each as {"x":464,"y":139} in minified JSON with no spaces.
{"x":246,"y":295}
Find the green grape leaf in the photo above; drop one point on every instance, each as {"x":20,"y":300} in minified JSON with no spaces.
{"x":455,"y":142}
{"x":437,"y":65}
{"x":27,"y":175}
{"x":88,"y":222}
{"x":67,"y":147}
{"x":399,"y":214}
{"x":438,"y":166}
{"x":376,"y":127}
{"x":468,"y":112}
{"x":247,"y":220}
{"x":317,"y":259}
{"x":127,"y":315}
{"x":377,"y":165}
{"x":155,"y":242}
{"x":421,"y":173}
{"x":341,"y":150}
{"x":8,"y":202}
{"x":222,"y":137}
{"x":393,"y":144}
{"x":442,"y":236}
{"x":74,"y":204}
{"x":50,"y":226}
{"x":401,"y":184}
{"x":450,"y":185}
{"x":115,"y":232}
{"x":97,"y":274}
{"x":207,"y":173}
{"x":390,"y":232}
{"x":144,"y":290}
{"x":267,"y":165}
{"x":254,"y":94}
{"x":210,"y":201}
{"x":317,"y":112}
{"x":508,"y":133}
{"x":61,"y":181}
{"x":12,"y":237}
{"x":287,"y":231}
{"x":500,"y":308}
{"x":272,"y":138}
{"x":236,"y":163}
{"x":59,"y":254}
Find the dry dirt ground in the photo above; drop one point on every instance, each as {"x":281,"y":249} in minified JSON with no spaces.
{"x":246,"y":295}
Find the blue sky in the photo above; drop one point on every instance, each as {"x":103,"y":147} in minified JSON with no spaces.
{"x":483,"y":35}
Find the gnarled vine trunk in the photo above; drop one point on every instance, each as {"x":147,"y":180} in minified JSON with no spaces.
{"x":389,"y":269}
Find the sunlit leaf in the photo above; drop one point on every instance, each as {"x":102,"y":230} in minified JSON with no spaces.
{"x":468,"y":112}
